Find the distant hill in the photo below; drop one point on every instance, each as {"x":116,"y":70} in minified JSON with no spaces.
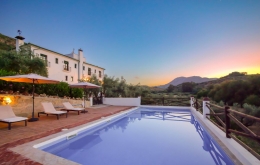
{"x":180,"y":80}
{"x":231,"y":77}
{"x":6,"y":43}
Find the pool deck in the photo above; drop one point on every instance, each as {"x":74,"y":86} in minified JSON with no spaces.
{"x":19,"y":134}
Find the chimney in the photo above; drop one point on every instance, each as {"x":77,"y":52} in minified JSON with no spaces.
{"x":80,"y":54}
{"x":19,"y":42}
{"x":80,"y":58}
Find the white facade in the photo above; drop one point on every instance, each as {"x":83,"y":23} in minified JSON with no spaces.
{"x":67,"y":68}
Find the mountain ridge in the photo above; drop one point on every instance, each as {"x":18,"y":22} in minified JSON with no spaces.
{"x":182,"y":79}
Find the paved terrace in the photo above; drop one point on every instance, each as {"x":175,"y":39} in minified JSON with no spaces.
{"x":19,"y":134}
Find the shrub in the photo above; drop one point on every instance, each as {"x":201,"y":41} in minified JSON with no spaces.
{"x":253,"y":100}
{"x":221,"y":103}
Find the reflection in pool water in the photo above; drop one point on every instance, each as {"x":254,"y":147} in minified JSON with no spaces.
{"x":147,"y":136}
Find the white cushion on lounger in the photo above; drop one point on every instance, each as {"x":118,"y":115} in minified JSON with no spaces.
{"x":7,"y":114}
{"x":58,"y":112}
{"x":49,"y":108}
{"x":68,"y":106}
{"x":14,"y":119}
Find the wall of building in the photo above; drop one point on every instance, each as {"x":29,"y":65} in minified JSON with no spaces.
{"x":56,"y":71}
{"x":22,"y":105}
{"x":94,"y":70}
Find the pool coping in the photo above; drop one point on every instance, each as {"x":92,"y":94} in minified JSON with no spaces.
{"x":238,"y":154}
{"x":29,"y":151}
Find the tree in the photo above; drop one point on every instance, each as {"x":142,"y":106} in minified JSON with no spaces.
{"x":202,"y":93}
{"x":36,"y":65}
{"x":22,"y":62}
{"x":230,"y":92}
{"x":109,"y":86}
{"x":121,"y":88}
{"x":187,"y":86}
{"x":254,"y":84}
{"x":240,"y":90}
{"x":115,"y":87}
{"x":253,"y":100}
{"x":170,"y":88}
{"x":94,"y":80}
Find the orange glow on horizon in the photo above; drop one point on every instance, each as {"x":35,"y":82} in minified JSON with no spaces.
{"x":251,"y":70}
{"x":156,"y":81}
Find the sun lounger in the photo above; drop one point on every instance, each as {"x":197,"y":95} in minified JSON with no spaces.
{"x":7,"y":116}
{"x":50,"y":110}
{"x":69,"y":107}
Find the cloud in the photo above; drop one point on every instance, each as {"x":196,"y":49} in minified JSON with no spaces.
{"x":136,"y":77}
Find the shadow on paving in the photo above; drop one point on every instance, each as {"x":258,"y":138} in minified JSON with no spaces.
{"x":19,"y":134}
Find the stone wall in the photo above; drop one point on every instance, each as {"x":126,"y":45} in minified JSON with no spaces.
{"x":22,"y":105}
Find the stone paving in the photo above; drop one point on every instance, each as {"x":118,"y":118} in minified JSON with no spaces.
{"x":19,"y":134}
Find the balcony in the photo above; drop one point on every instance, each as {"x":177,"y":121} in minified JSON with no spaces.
{"x":66,"y":68}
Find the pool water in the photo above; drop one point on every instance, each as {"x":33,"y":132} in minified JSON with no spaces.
{"x":144,"y":137}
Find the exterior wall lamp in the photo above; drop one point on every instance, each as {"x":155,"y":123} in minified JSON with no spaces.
{"x":6,"y":100}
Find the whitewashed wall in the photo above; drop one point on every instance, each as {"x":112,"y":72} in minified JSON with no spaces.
{"x":93,"y":69}
{"x":122,"y":101}
{"x":56,"y":71}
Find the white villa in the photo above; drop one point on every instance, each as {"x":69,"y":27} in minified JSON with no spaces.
{"x":64,"y":67}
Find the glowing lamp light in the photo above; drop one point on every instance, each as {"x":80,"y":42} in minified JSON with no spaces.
{"x":7,"y":100}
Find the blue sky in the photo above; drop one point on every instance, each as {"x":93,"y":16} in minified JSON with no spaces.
{"x":147,"y":42}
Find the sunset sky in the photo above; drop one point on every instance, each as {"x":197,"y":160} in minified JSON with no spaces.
{"x":146,"y":41}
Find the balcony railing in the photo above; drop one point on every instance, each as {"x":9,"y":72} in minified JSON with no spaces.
{"x":66,"y":68}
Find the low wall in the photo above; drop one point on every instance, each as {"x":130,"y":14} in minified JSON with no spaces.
{"x":22,"y":105}
{"x":122,"y":101}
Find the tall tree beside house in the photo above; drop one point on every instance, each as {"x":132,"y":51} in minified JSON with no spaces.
{"x":94,"y":91}
{"x":122,"y":87}
{"x":109,"y":86}
{"x":115,"y":87}
{"x":22,"y":62}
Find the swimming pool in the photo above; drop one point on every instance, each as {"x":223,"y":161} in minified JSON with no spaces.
{"x":144,"y":136}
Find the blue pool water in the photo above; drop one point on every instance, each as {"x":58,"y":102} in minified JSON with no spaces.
{"x":144,"y":137}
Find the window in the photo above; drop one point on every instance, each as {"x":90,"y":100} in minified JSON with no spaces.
{"x":66,"y":78}
{"x":89,"y":71}
{"x":83,"y":67}
{"x":99,"y":73}
{"x":75,"y":65}
{"x":95,"y":71}
{"x":56,"y":60}
{"x":71,"y":78}
{"x":66,"y":65}
{"x":44,"y":58}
